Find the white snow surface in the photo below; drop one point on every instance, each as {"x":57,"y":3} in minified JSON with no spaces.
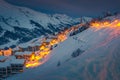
{"x":95,"y":44}
{"x":15,"y":14}
{"x":23,"y":53}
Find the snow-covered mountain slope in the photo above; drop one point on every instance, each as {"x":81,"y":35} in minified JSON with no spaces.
{"x":20,"y":24}
{"x":90,"y":55}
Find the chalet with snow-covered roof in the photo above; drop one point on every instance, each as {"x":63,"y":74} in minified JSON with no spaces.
{"x":17,"y":65}
{"x":11,"y":66}
{"x":3,"y":58}
{"x":5,"y":69}
{"x":17,"y":49}
{"x":23,"y":55}
{"x":7,"y":52}
{"x":33,"y":48}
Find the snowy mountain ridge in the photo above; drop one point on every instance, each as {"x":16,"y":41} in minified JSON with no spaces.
{"x":90,"y":55}
{"x":20,"y":24}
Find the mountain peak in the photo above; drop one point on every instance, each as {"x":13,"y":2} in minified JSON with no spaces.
{"x":23,"y":24}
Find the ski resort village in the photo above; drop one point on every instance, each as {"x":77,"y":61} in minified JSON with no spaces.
{"x":62,"y":45}
{"x":18,"y":59}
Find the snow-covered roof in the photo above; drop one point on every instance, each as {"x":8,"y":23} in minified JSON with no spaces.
{"x":48,"y":40}
{"x":2,"y":57}
{"x":18,"y":61}
{"x":11,"y":58}
{"x":4,"y":64}
{"x":23,"y":53}
{"x":16,"y":48}
{"x":32,"y":45}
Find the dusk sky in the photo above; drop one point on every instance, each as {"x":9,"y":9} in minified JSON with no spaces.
{"x":74,"y":8}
